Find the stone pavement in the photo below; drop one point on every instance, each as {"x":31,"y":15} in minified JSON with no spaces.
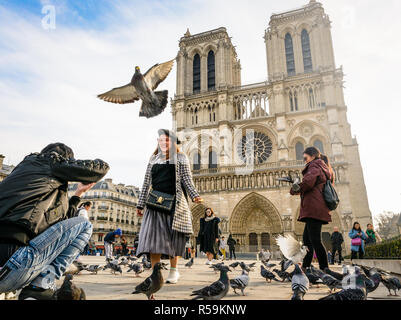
{"x":107,"y":286}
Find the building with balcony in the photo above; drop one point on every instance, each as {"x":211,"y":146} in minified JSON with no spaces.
{"x":240,"y":138}
{"x":113,"y":206}
{"x":5,"y":169}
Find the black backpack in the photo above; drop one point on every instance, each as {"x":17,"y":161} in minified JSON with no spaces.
{"x":330,"y":195}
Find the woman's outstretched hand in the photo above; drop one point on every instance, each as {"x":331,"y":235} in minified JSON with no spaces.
{"x":139,"y":212}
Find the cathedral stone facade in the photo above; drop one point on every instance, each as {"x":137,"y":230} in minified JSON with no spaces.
{"x":240,"y":138}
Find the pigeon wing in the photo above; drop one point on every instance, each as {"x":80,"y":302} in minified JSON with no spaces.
{"x":145,"y":285}
{"x":120,"y":95}
{"x":155,"y":75}
{"x":288,"y":246}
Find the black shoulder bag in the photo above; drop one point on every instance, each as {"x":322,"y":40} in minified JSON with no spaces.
{"x":330,"y":195}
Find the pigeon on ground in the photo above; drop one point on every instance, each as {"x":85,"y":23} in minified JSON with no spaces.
{"x":114,"y":267}
{"x":69,"y":291}
{"x":124,"y":261}
{"x":142,"y":87}
{"x":234,"y":264}
{"x":94,"y":268}
{"x":372,"y":278}
{"x":75,"y":268}
{"x":153,"y":283}
{"x":337,"y":275}
{"x":132,"y":258}
{"x":299,"y":284}
{"x":291,"y":249}
{"x":269,"y":276}
{"x":391,"y":283}
{"x":313,"y":278}
{"x":354,"y":288}
{"x":284,"y":275}
{"x":146,"y":264}
{"x":190,"y":263}
{"x":217,"y":290}
{"x":244,"y":267}
{"x":240,"y":282}
{"x":268,"y":265}
{"x":327,"y":279}
{"x":136,"y":267}
{"x":217,"y":266}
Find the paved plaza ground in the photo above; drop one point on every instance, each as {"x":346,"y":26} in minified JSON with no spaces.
{"x":107,"y":286}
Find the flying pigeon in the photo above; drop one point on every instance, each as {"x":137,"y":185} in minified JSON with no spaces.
{"x":269,"y":276}
{"x":94,"y":268}
{"x":142,"y":87}
{"x":136,"y":267}
{"x":291,"y":249}
{"x":190,"y":263}
{"x":240,"y":282}
{"x":234,"y":264}
{"x":217,"y":290}
{"x":69,"y":291}
{"x":299,"y":284}
{"x":153,"y":283}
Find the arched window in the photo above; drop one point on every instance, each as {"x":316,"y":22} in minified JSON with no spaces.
{"x":289,"y":54}
{"x":319,"y":144}
{"x":212,"y":159}
{"x":197,"y":161}
{"x":196,"y":74}
{"x":311,"y":99}
{"x":211,"y":67}
{"x":306,"y":53}
{"x":293,"y":101}
{"x":299,"y":151}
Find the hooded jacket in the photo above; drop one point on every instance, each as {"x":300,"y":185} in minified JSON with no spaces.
{"x":315,"y":175}
{"x":34,"y":196}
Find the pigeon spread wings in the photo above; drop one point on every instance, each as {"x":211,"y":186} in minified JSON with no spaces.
{"x":155,"y":75}
{"x":121,"y":95}
{"x":288,"y":246}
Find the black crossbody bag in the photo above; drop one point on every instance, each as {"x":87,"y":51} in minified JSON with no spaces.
{"x":160,"y":201}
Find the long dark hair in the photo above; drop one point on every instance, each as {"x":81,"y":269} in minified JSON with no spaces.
{"x":211,"y":210}
{"x":313,"y":152}
{"x":353,"y":227}
{"x":327,"y":162}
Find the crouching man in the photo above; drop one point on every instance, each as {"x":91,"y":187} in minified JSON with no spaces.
{"x":39,"y":235}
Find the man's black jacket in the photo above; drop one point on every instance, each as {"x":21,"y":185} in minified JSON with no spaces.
{"x":34,"y":196}
{"x":337,"y":239}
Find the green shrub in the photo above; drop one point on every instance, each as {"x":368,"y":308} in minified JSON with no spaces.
{"x":389,"y":249}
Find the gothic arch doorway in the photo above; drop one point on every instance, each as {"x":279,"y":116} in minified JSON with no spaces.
{"x":254,"y":222}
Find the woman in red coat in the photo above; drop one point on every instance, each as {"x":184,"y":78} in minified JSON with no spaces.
{"x":314,"y":211}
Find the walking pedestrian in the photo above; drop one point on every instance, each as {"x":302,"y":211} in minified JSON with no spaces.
{"x":336,"y":245}
{"x":39,"y":233}
{"x":124,"y":245}
{"x":314,"y":211}
{"x":357,"y":241}
{"x":231,"y":246}
{"x":209,"y":234}
{"x":222,"y":247}
{"x":167,"y":220}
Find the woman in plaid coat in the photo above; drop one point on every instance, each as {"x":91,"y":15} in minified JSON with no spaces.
{"x":161,"y":233}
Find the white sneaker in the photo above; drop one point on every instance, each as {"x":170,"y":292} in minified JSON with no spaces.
{"x":173,"y":276}
{"x":208,"y":262}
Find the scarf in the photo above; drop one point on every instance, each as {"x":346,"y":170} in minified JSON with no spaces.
{"x":371,"y":234}
{"x":209,"y":218}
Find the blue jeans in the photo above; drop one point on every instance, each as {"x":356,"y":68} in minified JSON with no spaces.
{"x":51,"y":252}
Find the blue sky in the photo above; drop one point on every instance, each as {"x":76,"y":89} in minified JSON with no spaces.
{"x":49,"y":79}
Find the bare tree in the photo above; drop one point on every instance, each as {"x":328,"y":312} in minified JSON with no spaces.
{"x":386,"y":224}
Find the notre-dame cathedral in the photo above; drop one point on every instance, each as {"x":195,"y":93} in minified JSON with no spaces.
{"x":241,"y":137}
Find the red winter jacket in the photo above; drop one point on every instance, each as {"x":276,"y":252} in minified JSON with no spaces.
{"x":315,"y":175}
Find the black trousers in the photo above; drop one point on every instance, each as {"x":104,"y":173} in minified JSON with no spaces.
{"x":313,"y":240}
{"x":340,"y":257}
{"x":354,"y":254}
{"x":232,"y":253}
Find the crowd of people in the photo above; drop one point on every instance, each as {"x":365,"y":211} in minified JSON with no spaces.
{"x":42,"y":231}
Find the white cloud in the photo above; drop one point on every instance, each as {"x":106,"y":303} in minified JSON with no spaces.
{"x":49,"y":79}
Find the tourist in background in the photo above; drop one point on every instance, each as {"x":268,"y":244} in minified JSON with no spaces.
{"x":314,"y":211}
{"x":209,"y":234}
{"x":109,"y":240}
{"x":83,"y":210}
{"x":165,"y":232}
{"x":336,"y":245}
{"x":358,"y":238}
{"x":372,"y":235}
{"x":222,"y":247}
{"x":231,"y":246}
{"x":124,"y":245}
